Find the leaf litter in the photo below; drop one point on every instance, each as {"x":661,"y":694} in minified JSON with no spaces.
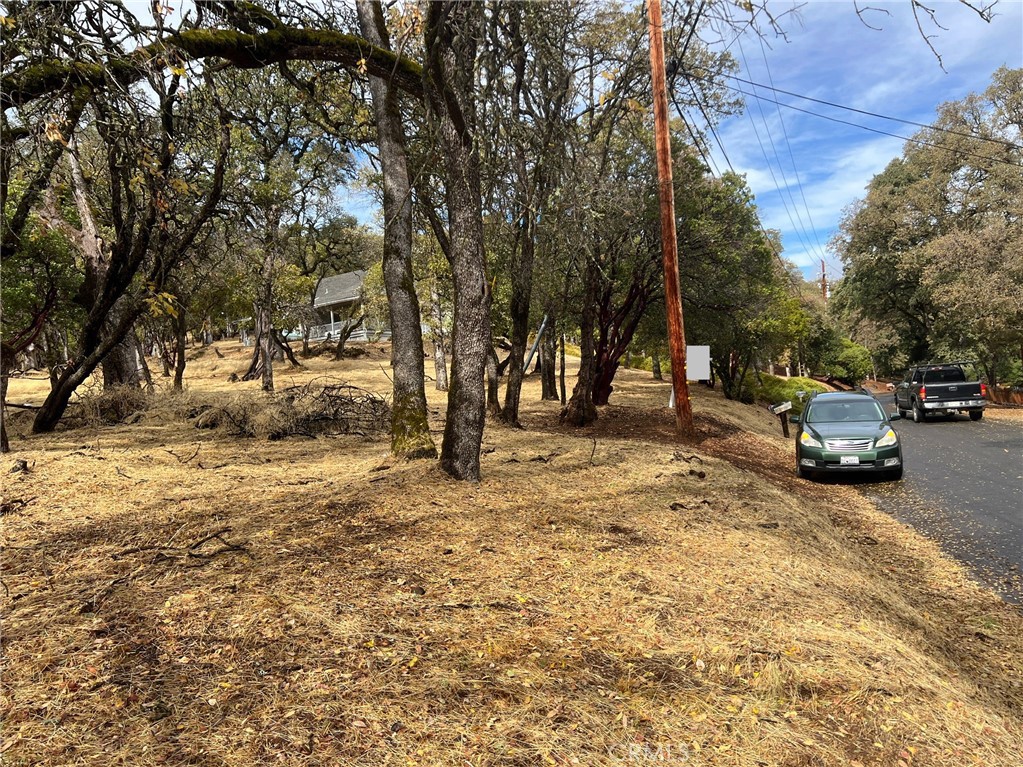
{"x":227,"y":600}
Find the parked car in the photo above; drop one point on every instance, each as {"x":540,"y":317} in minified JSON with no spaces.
{"x":846,"y":433}
{"x":940,"y":389}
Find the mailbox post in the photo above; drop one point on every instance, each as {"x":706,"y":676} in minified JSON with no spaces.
{"x":779,"y":410}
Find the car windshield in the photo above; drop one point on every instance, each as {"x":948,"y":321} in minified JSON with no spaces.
{"x":833,"y":412}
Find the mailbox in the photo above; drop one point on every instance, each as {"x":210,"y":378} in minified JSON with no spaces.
{"x":781,"y":407}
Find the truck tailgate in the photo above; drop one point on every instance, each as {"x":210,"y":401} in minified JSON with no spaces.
{"x":952,"y":392}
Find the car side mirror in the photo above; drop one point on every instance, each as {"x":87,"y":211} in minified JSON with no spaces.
{"x":793,"y":418}
{"x":894,"y":417}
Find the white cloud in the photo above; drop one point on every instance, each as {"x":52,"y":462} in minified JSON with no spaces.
{"x":836,"y":58}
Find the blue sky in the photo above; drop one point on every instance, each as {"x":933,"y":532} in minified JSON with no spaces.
{"x":820,"y":167}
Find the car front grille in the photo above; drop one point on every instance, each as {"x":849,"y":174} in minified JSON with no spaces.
{"x":848,"y":445}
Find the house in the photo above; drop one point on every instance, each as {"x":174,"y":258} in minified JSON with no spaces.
{"x":338,"y":304}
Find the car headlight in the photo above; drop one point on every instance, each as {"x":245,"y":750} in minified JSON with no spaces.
{"x":890,"y":438}
{"x":807,"y":441}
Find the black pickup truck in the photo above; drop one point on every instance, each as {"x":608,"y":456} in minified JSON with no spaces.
{"x":940,"y":389}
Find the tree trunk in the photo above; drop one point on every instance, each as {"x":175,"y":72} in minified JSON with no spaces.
{"x":259,"y":341}
{"x":121,"y":366}
{"x":493,"y":385}
{"x":450,"y":34}
{"x":617,"y":326}
{"x":519,"y":311}
{"x":167,"y":353}
{"x":989,"y":371}
{"x":548,"y":366}
{"x":181,"y":340}
{"x":561,"y":370}
{"x":6,"y":360}
{"x":132,"y":243}
{"x":744,"y":395}
{"x":283,"y":347}
{"x":655,"y":365}
{"x":410,"y":430}
{"x":522,"y":288}
{"x":305,"y":340}
{"x":440,"y":364}
{"x":581,"y":409}
{"x":602,"y":380}
{"x":264,"y":320}
{"x":147,"y":376}
{"x":77,"y":371}
{"x":342,"y":337}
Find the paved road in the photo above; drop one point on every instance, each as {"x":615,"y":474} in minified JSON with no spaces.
{"x":963,"y":487}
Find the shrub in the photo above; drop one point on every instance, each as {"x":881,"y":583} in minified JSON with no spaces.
{"x":115,"y":405}
{"x":773,"y":390}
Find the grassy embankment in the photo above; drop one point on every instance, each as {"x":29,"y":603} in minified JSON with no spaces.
{"x":175,"y":595}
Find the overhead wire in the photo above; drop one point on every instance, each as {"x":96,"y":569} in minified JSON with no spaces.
{"x":864,"y":112}
{"x":780,"y":187}
{"x":919,"y":142}
{"x":784,"y":188}
{"x":711,"y":163}
{"x":760,"y":98}
{"x":792,"y":157}
{"x":692,"y":30}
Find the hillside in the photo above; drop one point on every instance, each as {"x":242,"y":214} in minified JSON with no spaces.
{"x":177,"y":595}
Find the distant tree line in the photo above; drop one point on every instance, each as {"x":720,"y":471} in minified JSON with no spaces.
{"x":933,"y":255}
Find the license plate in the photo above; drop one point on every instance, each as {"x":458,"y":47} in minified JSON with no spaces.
{"x":849,"y":460}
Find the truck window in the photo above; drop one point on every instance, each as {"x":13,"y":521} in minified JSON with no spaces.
{"x":944,"y":375}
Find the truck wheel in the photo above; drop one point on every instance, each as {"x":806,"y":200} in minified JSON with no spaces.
{"x":918,"y":413}
{"x":901,"y":412}
{"x":976,"y":415}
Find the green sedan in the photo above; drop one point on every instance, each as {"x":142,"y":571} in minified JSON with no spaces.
{"x":846,"y":432}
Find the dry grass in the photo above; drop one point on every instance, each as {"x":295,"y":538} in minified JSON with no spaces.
{"x":181,"y":596}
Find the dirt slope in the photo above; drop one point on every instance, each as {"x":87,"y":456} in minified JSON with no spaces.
{"x":175,"y":595}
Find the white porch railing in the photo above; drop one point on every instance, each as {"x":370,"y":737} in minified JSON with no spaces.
{"x":362,"y":334}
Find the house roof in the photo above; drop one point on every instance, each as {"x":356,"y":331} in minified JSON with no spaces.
{"x":339,"y":289}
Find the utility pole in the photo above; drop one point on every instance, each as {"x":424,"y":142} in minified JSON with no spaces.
{"x":824,"y":282}
{"x":669,"y":240}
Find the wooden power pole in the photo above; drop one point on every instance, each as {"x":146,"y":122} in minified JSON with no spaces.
{"x":669,"y":240}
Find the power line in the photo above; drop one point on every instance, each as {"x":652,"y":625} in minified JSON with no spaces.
{"x":864,"y":112}
{"x":784,"y":189}
{"x":917,"y":141}
{"x":712,"y":164}
{"x":792,"y":157}
{"x":692,"y":30}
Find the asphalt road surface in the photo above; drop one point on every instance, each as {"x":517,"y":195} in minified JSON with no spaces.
{"x":963,"y":487}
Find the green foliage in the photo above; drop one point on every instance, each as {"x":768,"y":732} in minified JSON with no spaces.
{"x":772,"y":390}
{"x":43,"y":270}
{"x":291,"y":291}
{"x":735,"y":294}
{"x":852,"y":363}
{"x":433,"y":280}
{"x":935,"y":251}
{"x":374,"y":297}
